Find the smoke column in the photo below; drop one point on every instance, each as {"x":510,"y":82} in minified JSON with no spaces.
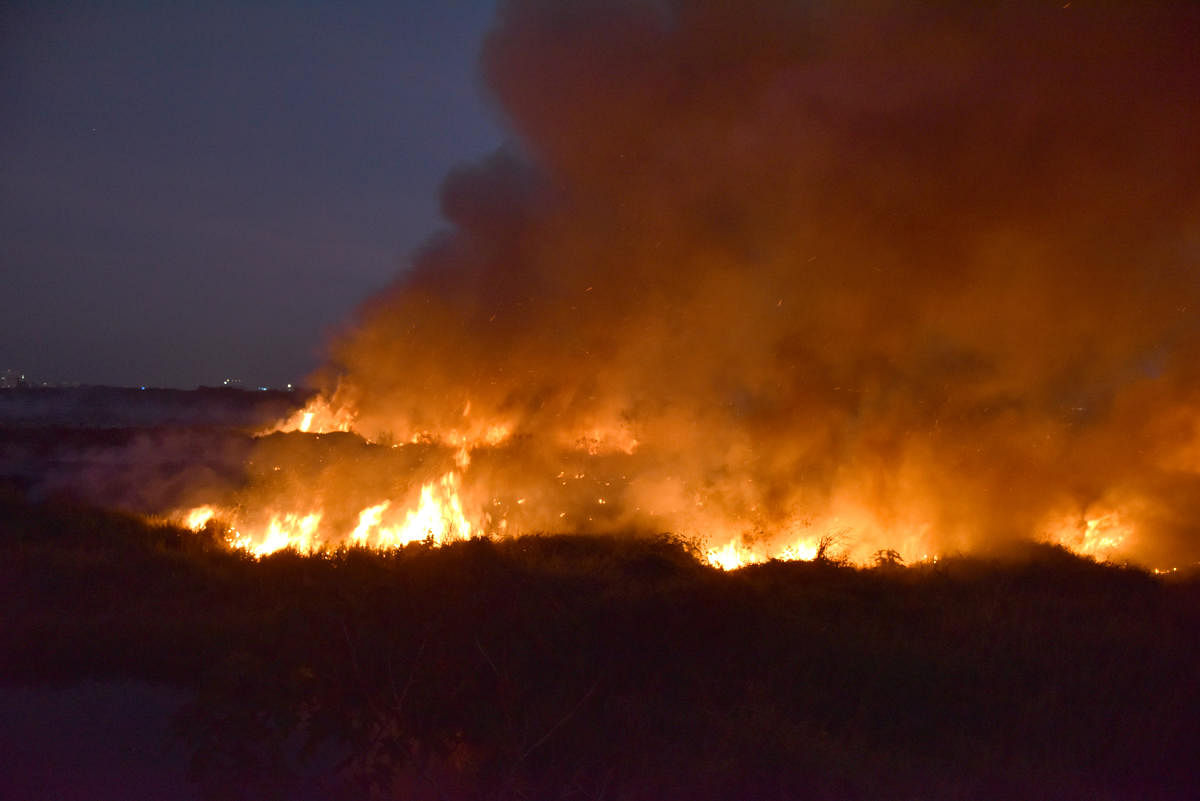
{"x":921,"y":277}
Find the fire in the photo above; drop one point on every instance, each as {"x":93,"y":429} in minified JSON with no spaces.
{"x":737,"y":553}
{"x":438,"y":517}
{"x":1099,"y":534}
{"x":198,"y":518}
{"x":594,"y":484}
{"x":1104,"y":534}
{"x":729,"y":556}
{"x":368,"y":520}
{"x":282,"y":531}
{"x":319,"y":416}
{"x":443,"y":510}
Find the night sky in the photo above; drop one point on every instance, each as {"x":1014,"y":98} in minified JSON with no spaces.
{"x":194,"y":192}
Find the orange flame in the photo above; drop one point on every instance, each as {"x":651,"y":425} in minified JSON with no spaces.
{"x":319,"y":416}
{"x":438,"y":518}
{"x":847,"y":527}
{"x":1101,"y":534}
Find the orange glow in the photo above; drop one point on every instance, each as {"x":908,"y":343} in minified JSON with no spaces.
{"x":438,"y":517}
{"x":198,"y":518}
{"x":850,"y":523}
{"x":368,"y":521}
{"x":1101,"y":534}
{"x":282,"y":531}
{"x":599,"y":440}
{"x":319,"y":416}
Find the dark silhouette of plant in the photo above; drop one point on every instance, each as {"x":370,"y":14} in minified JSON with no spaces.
{"x":887,"y":558}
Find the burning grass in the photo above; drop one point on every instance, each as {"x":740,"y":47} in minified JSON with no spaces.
{"x":314,"y":482}
{"x":618,"y":667}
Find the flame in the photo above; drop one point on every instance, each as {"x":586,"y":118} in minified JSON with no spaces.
{"x":462,"y":503}
{"x":438,"y":518}
{"x":319,"y":416}
{"x":198,"y":518}
{"x":368,"y":520}
{"x":728,"y":556}
{"x":1105,"y":534}
{"x":1101,"y":534}
{"x":283,"y":531}
{"x":735,"y":554}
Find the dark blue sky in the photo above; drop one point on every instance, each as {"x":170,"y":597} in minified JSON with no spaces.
{"x":195,"y":191}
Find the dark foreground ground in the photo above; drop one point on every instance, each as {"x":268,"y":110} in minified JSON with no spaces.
{"x":600,"y":668}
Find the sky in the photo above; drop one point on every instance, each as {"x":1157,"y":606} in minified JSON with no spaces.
{"x":191,"y":192}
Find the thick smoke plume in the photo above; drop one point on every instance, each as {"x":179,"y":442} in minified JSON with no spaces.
{"x":921,"y":278}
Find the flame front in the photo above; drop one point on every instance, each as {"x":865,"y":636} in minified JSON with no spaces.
{"x":598,"y":494}
{"x":438,"y":518}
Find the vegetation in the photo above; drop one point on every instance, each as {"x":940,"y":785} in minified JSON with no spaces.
{"x":618,"y":668}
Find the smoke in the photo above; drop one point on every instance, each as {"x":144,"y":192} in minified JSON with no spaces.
{"x":147,"y":471}
{"x":920,"y":276}
{"x":144,"y":451}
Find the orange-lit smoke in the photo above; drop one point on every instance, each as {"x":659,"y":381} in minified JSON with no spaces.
{"x":767,"y":272}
